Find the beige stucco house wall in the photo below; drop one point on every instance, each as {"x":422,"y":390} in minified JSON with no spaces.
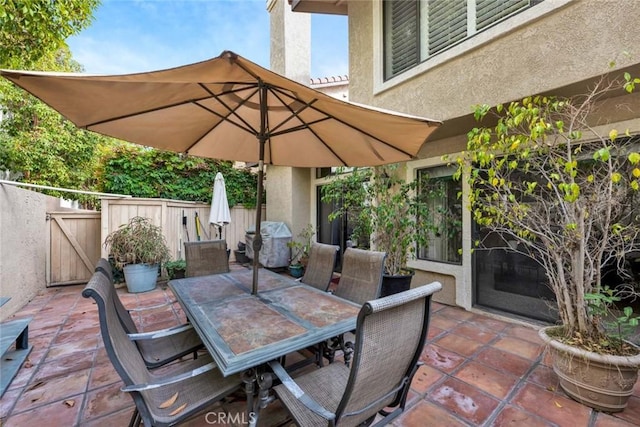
{"x":289,"y":189}
{"x":555,"y":47}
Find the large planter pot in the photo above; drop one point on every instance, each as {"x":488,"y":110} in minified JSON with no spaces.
{"x":395,"y":284}
{"x":140,"y":277}
{"x":602,"y":382}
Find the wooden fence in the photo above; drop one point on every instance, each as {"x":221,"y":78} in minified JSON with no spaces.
{"x":171,"y":216}
{"x":74,"y":247}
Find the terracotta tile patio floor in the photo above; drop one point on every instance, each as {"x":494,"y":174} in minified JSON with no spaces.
{"x":478,"y":371}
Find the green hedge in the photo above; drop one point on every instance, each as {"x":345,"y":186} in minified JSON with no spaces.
{"x":146,"y":172}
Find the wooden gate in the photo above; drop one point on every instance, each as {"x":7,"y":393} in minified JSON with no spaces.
{"x":74,"y":247}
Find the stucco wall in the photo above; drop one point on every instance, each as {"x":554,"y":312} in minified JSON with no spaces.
{"x":557,"y":43}
{"x":288,"y":189}
{"x":290,"y":41}
{"x":289,"y":197}
{"x":23,"y":238}
{"x":448,"y":293}
{"x":552,"y":45}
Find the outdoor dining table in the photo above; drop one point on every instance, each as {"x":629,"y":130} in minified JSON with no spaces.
{"x":243,"y":331}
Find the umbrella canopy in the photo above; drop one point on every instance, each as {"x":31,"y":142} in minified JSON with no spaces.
{"x":219,"y":214}
{"x":230,"y":108}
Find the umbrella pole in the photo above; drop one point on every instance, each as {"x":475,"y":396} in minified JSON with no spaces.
{"x":257,"y":240}
{"x":262,"y":139}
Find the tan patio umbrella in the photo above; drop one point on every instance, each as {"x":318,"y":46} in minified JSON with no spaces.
{"x":230,"y":108}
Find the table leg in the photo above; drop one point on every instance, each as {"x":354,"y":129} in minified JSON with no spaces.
{"x":249,"y":379}
{"x":265,"y":382}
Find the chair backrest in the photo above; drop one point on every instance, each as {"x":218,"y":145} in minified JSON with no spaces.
{"x":103,"y":266}
{"x":206,"y":257}
{"x":122,"y":352}
{"x":322,"y":261}
{"x":361,"y":276}
{"x":390,"y":336}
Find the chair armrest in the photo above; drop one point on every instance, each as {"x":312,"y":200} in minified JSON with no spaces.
{"x":151,"y":307}
{"x":170,"y":380}
{"x":298,"y":393}
{"x":160,"y":333}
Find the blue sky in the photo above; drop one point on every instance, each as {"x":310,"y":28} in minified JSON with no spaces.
{"x":129,"y":36}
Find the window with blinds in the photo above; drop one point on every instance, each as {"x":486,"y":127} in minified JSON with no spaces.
{"x":401,"y":35}
{"x":415,"y":30}
{"x":447,"y":23}
{"x":489,"y":12}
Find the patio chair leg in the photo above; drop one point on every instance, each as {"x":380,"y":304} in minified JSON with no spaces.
{"x":320,"y":354}
{"x":330,"y":348}
{"x":348,"y":352}
{"x":135,"y":419}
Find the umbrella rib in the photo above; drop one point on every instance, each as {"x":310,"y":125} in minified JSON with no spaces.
{"x":224,"y":117}
{"x":139,"y":113}
{"x":232,"y":111}
{"x":307,"y":125}
{"x":277,"y":92}
{"x":351,"y":126}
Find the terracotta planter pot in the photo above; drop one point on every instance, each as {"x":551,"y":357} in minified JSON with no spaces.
{"x":602,"y":382}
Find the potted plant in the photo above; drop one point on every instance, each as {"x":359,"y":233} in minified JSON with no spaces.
{"x":176,"y":269}
{"x":138,"y":247}
{"x":300,"y":251}
{"x":387,"y":212}
{"x":553,"y":189}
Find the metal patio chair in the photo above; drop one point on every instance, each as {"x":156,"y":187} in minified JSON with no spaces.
{"x":105,"y":267}
{"x":318,"y":274}
{"x":360,"y":281}
{"x":390,"y":336}
{"x":206,"y":257}
{"x":182,"y":390}
{"x":361,"y":276}
{"x":159,"y":347}
{"x":322,"y":261}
